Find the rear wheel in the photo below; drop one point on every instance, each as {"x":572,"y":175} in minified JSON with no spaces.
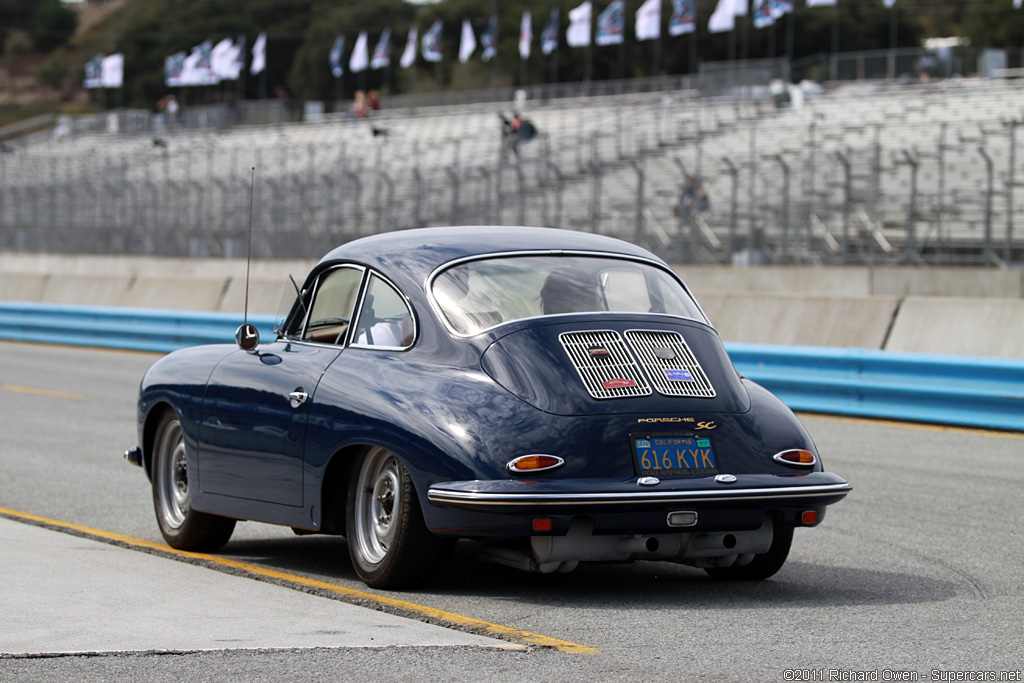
{"x":762,"y":566}
{"x":181,"y":526}
{"x":388,"y":541}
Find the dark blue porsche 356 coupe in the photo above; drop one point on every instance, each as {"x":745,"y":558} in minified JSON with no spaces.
{"x":557,"y":396}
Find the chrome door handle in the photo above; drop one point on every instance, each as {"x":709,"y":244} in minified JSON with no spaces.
{"x":297,"y":398}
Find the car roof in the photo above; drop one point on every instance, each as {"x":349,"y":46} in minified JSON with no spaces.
{"x":418,"y":252}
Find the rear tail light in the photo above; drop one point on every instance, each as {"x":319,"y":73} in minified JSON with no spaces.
{"x":531,"y":464}
{"x":796,"y":457}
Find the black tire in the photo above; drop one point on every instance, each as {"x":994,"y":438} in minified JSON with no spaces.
{"x":388,"y":541}
{"x":762,"y":566}
{"x":182,"y":527}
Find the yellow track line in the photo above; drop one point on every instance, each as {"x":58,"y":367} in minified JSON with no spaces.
{"x":42,"y":392}
{"x":476,"y":625}
{"x":922,"y":426}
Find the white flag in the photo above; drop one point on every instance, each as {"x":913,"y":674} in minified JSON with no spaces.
{"x":382,"y":53}
{"x":578,"y":33}
{"x":611,"y":24}
{"x":468,"y":43}
{"x":525,"y":35}
{"x":360,"y":58}
{"x":409,"y":54}
{"x":94,"y":71}
{"x":113,"y":71}
{"x":648,"y":20}
{"x":724,"y":16}
{"x":259,"y":54}
{"x":430,"y":46}
{"x":224,"y":59}
{"x":820,"y":3}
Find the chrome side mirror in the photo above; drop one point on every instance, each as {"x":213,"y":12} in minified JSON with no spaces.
{"x":247,"y":337}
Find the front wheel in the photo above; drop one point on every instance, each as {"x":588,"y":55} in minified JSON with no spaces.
{"x":182,"y":527}
{"x":762,"y":566}
{"x":388,"y":541}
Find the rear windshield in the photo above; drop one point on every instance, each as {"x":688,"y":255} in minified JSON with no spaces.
{"x":477,"y":295}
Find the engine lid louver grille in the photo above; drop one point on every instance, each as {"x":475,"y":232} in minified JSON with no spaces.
{"x":608,"y":369}
{"x":604,"y":364}
{"x":670,"y":363}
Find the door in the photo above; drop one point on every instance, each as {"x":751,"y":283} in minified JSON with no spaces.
{"x":253,"y":432}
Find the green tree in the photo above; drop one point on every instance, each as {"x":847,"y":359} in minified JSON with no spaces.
{"x":53,"y":24}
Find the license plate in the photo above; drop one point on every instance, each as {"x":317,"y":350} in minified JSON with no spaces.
{"x":664,"y":455}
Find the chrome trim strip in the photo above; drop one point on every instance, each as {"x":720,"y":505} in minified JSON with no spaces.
{"x":439,"y":313}
{"x":476,"y":498}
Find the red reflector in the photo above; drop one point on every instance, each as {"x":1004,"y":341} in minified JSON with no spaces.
{"x":618,"y":383}
{"x":534,"y":463}
{"x":545,"y":524}
{"x":809,"y":517}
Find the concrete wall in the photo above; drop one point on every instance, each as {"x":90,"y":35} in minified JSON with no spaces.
{"x":811,"y":320}
{"x":930,"y":310}
{"x":968,"y":326}
{"x":859,"y":281}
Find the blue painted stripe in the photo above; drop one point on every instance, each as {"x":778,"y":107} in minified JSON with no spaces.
{"x":122,"y":328}
{"x":956,"y":390}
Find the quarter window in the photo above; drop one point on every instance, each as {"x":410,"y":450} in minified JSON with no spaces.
{"x":385,"y":320}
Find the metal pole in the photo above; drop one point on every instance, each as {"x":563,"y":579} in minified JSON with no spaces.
{"x":847,"y":198}
{"x":486,"y":175}
{"x":417,"y":177}
{"x":683,"y":215}
{"x":1008,"y":245}
{"x":595,"y":196}
{"x":521,"y":181}
{"x":990,"y":175}
{"x":734,"y":172}
{"x":559,"y":185}
{"x":752,"y":193}
{"x":638,"y":226}
{"x":453,"y":211}
{"x":785,"y":206}
{"x":912,"y":210}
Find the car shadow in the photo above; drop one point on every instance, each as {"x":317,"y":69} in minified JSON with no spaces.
{"x":645,"y":585}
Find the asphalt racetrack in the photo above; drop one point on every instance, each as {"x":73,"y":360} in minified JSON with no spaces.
{"x":917,"y":575}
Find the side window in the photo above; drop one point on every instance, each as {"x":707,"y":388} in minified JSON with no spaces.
{"x":334,"y":301}
{"x":385,"y":320}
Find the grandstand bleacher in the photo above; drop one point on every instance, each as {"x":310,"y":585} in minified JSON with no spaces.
{"x":868,"y":172}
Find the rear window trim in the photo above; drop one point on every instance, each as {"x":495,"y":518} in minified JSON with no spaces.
{"x":439,"y":311}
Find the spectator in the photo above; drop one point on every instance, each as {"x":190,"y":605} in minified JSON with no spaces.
{"x":172,"y":112}
{"x":358,"y":110}
{"x":515,"y":131}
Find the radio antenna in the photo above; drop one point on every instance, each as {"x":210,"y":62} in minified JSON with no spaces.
{"x":247,"y":336}
{"x":248,"y":249}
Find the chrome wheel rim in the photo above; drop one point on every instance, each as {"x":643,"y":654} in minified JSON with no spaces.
{"x":377,"y":505}
{"x":172,"y":477}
